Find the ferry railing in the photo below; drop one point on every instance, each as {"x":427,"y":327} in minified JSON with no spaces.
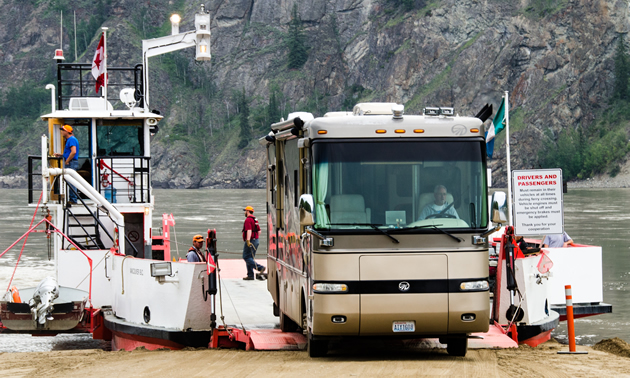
{"x":124,"y":179}
{"x":34,"y":176}
{"x":76,"y":80}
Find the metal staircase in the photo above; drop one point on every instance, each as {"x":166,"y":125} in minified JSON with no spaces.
{"x":82,"y":225}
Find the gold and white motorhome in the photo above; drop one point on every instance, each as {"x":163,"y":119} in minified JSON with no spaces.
{"x":377,"y":223}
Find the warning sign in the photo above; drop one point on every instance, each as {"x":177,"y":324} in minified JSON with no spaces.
{"x":538,"y":202}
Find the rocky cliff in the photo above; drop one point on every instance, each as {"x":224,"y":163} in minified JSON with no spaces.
{"x":553,"y":57}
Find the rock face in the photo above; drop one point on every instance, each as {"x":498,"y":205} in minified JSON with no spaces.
{"x":555,"y":63}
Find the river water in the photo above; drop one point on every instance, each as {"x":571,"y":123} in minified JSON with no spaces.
{"x":592,"y":216}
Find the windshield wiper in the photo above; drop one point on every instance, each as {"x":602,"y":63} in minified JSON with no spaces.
{"x":374,"y":226}
{"x":435,"y":227}
{"x":418,"y":227}
{"x":448,"y":233}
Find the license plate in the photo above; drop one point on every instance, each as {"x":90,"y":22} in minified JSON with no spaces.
{"x":409,"y":326}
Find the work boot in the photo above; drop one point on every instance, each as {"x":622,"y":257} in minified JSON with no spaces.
{"x":261,"y":270}
{"x":248,"y":278}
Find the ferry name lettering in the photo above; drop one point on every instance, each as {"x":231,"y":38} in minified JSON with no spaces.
{"x":136,"y":271}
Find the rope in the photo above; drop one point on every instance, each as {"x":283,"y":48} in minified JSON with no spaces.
{"x":231,"y":301}
{"x":97,"y":264}
{"x":25,"y":240}
{"x":176,"y":243}
{"x":226,"y":252}
{"x":221,"y":301}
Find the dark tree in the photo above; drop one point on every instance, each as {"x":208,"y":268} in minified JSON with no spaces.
{"x":243,"y":120}
{"x":273,"y":110}
{"x":296,"y":41}
{"x":622,"y":71}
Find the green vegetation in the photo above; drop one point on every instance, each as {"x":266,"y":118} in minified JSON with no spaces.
{"x":580,"y":154}
{"x":273,"y":108}
{"x":87,"y":29}
{"x":243,"y":120}
{"x":296,"y":41}
{"x":440,"y":79}
{"x":428,"y":8}
{"x":354,"y":94}
{"x":26,"y":101}
{"x":622,"y":70}
{"x":538,"y":9}
{"x":581,"y":158}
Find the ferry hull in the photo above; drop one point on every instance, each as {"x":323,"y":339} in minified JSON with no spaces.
{"x":129,"y":336}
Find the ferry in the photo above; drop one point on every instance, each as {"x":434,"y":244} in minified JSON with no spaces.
{"x":338,"y":266}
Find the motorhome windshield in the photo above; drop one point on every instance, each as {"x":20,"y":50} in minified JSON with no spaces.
{"x":399,"y":184}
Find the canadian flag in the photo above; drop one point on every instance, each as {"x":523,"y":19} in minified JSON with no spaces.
{"x":98,"y":64}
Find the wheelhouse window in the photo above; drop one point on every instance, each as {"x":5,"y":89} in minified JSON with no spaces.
{"x":400,"y":184}
{"x":120,"y":138}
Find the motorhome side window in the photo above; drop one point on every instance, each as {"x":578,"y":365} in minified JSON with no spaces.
{"x":120,"y":139}
{"x":271,"y":161}
{"x":399,"y":184}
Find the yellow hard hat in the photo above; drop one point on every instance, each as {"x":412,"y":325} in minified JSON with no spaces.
{"x":249,"y":208}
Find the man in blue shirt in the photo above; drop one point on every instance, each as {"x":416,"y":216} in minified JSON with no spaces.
{"x":70,"y":158}
{"x":562,"y":240}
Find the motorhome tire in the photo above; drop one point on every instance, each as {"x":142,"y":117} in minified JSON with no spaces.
{"x":316,"y":348}
{"x":457,"y":347}
{"x":286,"y":324}
{"x":276,"y":309}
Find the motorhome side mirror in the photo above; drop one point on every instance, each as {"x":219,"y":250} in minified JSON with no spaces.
{"x":306,"y":210}
{"x":499,"y":208}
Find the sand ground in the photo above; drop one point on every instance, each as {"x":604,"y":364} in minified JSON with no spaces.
{"x":365,"y":361}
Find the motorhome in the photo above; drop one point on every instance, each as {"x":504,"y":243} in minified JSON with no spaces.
{"x":377,"y":225}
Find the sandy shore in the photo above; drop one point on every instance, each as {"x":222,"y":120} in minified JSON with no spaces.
{"x":606,"y":359}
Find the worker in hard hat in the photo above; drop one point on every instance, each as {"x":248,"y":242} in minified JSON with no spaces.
{"x":70,"y":158}
{"x":194,"y":253}
{"x":251,"y":230}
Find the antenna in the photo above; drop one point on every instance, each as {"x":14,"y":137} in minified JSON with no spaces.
{"x":75,"y":36}
{"x":59,"y":52}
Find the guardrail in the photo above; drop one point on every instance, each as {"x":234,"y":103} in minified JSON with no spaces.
{"x":124,"y":179}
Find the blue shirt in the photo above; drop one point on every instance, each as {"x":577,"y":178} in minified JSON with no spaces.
{"x":556,"y":241}
{"x":71,"y":142}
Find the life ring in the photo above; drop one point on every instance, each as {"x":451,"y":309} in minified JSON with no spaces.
{"x":16,"y":295}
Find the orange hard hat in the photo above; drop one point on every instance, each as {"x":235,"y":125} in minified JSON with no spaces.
{"x":67,"y":128}
{"x":249,"y":208}
{"x":197,"y":238}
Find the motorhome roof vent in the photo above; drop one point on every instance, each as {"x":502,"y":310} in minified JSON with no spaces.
{"x":304,"y":116}
{"x":338,"y":114}
{"x":373,"y":108}
{"x":398,"y":111}
{"x":89,"y":103}
{"x":434,"y":111}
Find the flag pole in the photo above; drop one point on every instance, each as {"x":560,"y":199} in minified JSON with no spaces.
{"x":507,"y":152}
{"x":105,"y":63}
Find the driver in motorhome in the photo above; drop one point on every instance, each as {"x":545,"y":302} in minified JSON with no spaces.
{"x":439,"y":208}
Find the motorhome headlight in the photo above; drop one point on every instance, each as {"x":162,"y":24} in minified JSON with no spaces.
{"x":474,"y":286}
{"x":330,"y":288}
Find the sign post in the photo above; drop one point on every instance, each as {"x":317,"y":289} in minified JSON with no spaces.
{"x":538,"y":202}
